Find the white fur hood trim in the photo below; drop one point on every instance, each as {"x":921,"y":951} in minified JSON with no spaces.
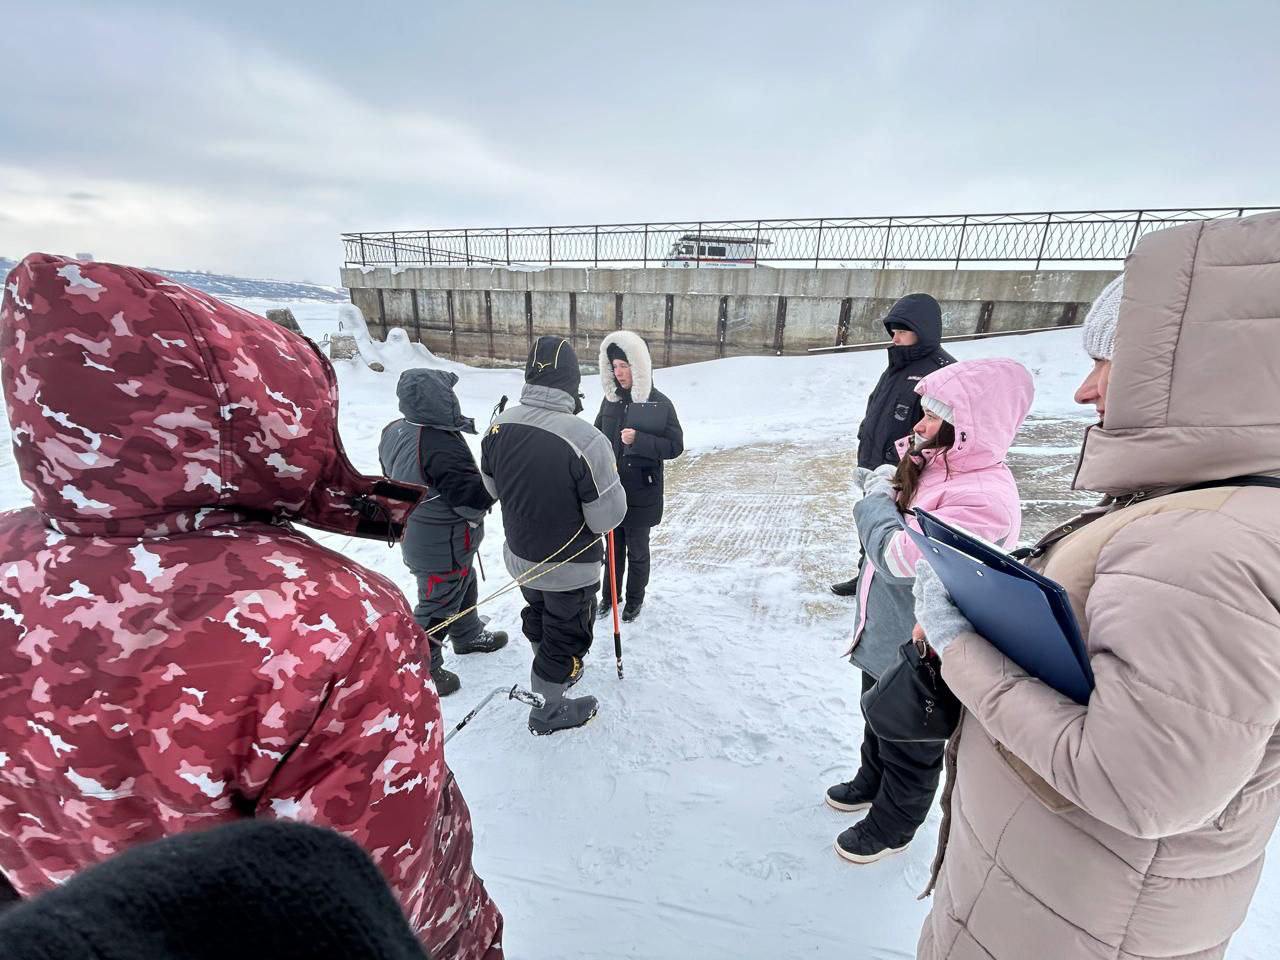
{"x":641,"y":366}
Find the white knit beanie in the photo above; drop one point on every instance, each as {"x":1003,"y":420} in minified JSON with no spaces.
{"x":1100,"y":322}
{"x":943,"y":411}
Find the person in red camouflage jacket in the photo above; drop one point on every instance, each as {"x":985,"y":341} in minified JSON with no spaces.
{"x":173,"y":653}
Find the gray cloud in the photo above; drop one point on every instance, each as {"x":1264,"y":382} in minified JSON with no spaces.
{"x":246,"y":139}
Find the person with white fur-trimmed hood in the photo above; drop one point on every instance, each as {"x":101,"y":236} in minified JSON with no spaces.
{"x":642,"y":425}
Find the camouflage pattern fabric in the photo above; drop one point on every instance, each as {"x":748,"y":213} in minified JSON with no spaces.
{"x":173,"y":654}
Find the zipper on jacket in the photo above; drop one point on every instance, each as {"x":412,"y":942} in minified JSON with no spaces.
{"x":1084,"y":443}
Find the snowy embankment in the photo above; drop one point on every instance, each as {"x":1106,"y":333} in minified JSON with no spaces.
{"x":686,"y":820}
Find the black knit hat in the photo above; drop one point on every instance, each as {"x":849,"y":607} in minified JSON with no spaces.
{"x":248,"y":889}
{"x":615,"y":352}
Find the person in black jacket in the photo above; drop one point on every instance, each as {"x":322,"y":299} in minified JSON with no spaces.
{"x":559,"y":488}
{"x":641,"y":424}
{"x":914,"y":324}
{"x":425,"y":446}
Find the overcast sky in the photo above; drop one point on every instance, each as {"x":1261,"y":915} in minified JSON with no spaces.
{"x":245,"y":136}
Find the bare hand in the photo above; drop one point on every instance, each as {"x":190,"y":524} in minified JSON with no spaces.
{"x":628,"y":436}
{"x":917,"y":634}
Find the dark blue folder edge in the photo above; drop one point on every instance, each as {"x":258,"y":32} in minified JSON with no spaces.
{"x":938,"y":531}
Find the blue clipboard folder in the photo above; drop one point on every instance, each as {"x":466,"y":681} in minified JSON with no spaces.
{"x":1024,"y":615}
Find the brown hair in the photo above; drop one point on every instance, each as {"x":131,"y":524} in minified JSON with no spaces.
{"x":910,"y":467}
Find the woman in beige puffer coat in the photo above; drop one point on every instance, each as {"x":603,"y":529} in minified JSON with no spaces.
{"x":1135,"y":827}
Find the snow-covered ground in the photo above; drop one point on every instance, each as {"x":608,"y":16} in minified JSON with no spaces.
{"x":687,"y":820}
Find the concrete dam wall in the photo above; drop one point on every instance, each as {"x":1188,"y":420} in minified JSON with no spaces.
{"x":493,"y":314}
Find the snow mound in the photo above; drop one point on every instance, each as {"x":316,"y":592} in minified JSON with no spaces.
{"x":395,"y":354}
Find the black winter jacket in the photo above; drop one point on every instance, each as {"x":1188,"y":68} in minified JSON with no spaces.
{"x":894,"y":406}
{"x":555,"y":476}
{"x":640,"y":464}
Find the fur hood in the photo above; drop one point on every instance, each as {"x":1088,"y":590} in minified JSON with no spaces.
{"x":641,"y":366}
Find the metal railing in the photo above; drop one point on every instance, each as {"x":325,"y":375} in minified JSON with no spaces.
{"x":1102,"y":237}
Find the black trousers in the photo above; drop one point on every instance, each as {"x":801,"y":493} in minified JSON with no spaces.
{"x":559,"y":626}
{"x":903,"y":777}
{"x":631,"y":556}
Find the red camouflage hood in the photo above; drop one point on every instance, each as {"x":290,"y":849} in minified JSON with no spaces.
{"x":142,"y":407}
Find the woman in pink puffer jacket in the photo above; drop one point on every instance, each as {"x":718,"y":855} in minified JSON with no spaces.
{"x":953,"y":466}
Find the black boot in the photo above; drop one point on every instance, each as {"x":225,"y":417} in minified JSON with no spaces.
{"x":560,"y":712}
{"x":846,"y":589}
{"x":447,"y":681}
{"x":631,"y":610}
{"x":486,"y":641}
{"x":860,"y":844}
{"x":849,"y":797}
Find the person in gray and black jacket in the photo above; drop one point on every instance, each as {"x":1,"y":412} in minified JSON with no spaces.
{"x":425,"y":446}
{"x":556,"y":478}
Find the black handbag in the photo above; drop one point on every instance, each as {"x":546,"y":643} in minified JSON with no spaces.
{"x":910,"y":703}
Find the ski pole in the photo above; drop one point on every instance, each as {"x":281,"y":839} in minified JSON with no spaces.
{"x":613,"y":590}
{"x":515,"y":693}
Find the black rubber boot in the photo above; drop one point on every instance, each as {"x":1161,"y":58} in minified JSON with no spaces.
{"x":846,"y":589}
{"x":560,"y":712}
